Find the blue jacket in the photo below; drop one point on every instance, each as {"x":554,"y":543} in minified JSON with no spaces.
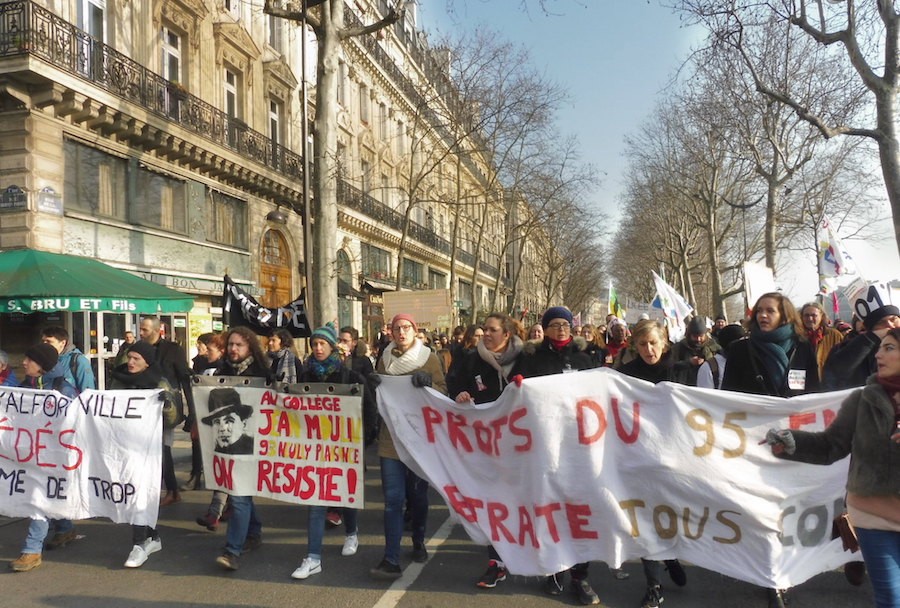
{"x":72,"y":373}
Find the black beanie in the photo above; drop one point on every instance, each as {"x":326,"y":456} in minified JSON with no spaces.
{"x":878,"y":314}
{"x":44,"y":355}
{"x":145,"y":350}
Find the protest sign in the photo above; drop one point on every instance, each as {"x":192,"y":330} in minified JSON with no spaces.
{"x":599,"y":466}
{"x":95,"y":455}
{"x":300,"y":443}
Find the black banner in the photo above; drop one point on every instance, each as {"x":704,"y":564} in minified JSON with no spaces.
{"x":242,"y":309}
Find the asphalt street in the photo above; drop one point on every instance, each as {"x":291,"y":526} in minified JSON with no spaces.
{"x":90,"y":572}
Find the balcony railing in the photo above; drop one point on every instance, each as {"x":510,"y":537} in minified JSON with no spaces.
{"x":355,"y":198}
{"x":27,"y":29}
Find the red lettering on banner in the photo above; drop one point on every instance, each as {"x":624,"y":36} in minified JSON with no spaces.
{"x":635,"y":422}
{"x":525,"y":434}
{"x":71,"y":447}
{"x":486,"y":434}
{"x":578,"y":515}
{"x":268,"y":398}
{"x":547,"y":511}
{"x":223,"y":472}
{"x":497,"y":513}
{"x":581,"y":408}
{"x":267,"y":430}
{"x":466,"y":507}
{"x":526,"y":526}
{"x":304,"y":482}
{"x":455,"y":425}
{"x":797,"y":421}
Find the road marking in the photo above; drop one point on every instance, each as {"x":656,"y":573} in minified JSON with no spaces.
{"x":398,"y":589}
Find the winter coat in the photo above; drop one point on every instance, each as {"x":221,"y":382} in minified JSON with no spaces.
{"x":478,"y":378}
{"x":851,"y":362}
{"x":667,"y":369}
{"x":543,"y":359}
{"x":863,"y":429}
{"x":745,"y":372}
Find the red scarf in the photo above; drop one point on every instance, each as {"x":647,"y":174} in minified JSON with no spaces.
{"x":815,"y":336}
{"x":559,"y":344}
{"x":892,"y":387}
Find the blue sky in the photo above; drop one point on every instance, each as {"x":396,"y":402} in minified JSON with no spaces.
{"x":616,"y":58}
{"x":612,"y":56}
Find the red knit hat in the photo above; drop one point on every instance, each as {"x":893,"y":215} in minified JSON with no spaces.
{"x":404,"y":317}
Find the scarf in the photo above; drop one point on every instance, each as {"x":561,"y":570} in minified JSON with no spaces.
{"x":815,"y":336}
{"x":323,"y":369}
{"x":775,"y":348}
{"x":400,"y":364}
{"x":240,"y":368}
{"x":502,"y":362}
{"x":559,"y":344}
{"x":892,"y":387}
{"x":284,"y":366}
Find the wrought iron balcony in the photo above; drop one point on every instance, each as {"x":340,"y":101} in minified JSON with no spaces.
{"x":27,"y":29}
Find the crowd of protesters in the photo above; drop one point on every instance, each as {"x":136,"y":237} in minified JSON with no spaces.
{"x":777,"y":350}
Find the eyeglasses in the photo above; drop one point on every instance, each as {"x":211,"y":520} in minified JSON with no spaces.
{"x":559,"y":326}
{"x":403,"y":328}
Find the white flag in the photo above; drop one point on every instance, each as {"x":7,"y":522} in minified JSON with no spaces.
{"x":834,"y":260}
{"x":674,"y":307}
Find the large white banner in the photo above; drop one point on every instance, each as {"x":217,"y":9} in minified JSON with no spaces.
{"x":304,"y":446}
{"x":96,"y":455}
{"x":598,"y":466}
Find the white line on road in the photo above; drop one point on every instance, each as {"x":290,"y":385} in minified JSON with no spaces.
{"x":398,"y":589}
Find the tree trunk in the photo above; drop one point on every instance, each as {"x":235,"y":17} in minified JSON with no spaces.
{"x":325,"y":205}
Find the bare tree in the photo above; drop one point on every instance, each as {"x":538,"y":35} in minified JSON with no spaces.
{"x":857,"y":37}
{"x":326,"y":19}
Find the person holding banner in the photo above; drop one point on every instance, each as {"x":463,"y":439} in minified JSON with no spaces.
{"x":482,"y":376}
{"x":140,"y":371}
{"x":404,"y":356}
{"x":655,"y":363}
{"x":560,"y":353}
{"x":775,"y":359}
{"x":244,"y":358}
{"x":325,"y":365}
{"x":38,"y":360}
{"x":867,"y":428}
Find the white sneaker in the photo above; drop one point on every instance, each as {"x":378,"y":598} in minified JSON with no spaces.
{"x":140,"y":553}
{"x":152,"y":545}
{"x":309,"y":567}
{"x":351,"y":544}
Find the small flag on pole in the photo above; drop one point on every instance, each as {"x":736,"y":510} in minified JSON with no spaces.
{"x":615,"y":306}
{"x":674,"y":307}
{"x":834,"y":260}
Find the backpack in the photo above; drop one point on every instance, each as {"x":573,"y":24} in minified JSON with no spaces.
{"x":60,"y":380}
{"x":714,"y":369}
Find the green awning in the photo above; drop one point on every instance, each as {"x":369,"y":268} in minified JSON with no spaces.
{"x":38,"y":281}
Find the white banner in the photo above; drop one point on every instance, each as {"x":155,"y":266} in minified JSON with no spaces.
{"x":96,"y":455}
{"x":294,"y":447}
{"x":599,"y":466}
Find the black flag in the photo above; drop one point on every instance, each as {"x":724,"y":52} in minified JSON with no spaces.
{"x":242,"y":309}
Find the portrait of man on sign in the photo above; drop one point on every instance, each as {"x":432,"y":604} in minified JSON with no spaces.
{"x":228,"y":417}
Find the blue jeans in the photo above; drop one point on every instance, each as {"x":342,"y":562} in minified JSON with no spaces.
{"x":316,"y":528}
{"x":38,"y":530}
{"x":399,"y":484}
{"x":881,"y":552}
{"x":243,"y":523}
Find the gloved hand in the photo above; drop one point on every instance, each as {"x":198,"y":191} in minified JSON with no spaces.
{"x":421,"y":379}
{"x":374,"y":380}
{"x":517,"y":379}
{"x":782,"y":441}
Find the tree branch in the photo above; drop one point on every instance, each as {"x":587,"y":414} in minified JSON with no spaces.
{"x":392,"y":17}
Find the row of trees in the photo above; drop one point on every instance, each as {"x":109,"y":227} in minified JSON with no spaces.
{"x":489,"y":115}
{"x":728,"y":170}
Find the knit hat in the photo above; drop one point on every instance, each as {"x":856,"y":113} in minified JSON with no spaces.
{"x":145,"y":350}
{"x":327,"y":332}
{"x":696,"y":327}
{"x":404,"y":317}
{"x":872,"y":319}
{"x":556,"y":312}
{"x":728,"y":334}
{"x":44,"y":355}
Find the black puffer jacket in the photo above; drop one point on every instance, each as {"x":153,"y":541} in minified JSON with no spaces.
{"x":543,"y":359}
{"x":665,"y":370}
{"x":746,"y":373}
{"x":475,"y":376}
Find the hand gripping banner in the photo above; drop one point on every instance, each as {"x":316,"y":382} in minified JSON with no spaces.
{"x":599,"y":466}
